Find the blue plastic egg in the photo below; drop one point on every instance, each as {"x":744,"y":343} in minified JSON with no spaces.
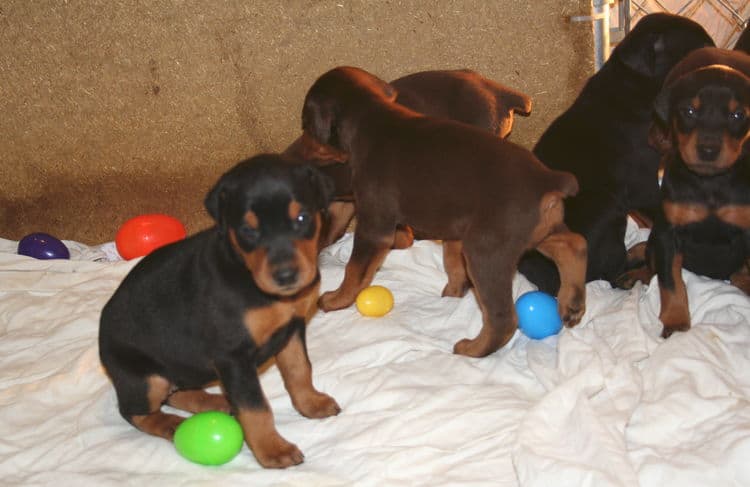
{"x":537,"y":315}
{"x":43,"y":246}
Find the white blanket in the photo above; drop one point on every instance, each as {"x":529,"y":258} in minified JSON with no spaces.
{"x":607,"y":403}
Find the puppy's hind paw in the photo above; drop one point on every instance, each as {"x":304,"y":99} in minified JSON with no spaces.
{"x":627,"y":280}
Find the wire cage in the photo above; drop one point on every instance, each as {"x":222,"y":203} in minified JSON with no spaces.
{"x":723,"y":19}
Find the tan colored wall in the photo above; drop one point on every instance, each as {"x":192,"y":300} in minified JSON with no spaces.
{"x":113,"y":108}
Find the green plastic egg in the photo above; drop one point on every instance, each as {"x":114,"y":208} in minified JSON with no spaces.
{"x":209,"y":438}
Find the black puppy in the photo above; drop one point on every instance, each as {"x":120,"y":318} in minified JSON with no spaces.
{"x":703,"y":226}
{"x":602,"y":139}
{"x":222,"y":302}
{"x":743,"y":42}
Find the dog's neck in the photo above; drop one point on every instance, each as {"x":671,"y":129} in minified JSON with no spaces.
{"x":366,"y":119}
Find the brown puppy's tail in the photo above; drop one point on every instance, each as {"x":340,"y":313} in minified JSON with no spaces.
{"x":566,"y":183}
{"x":517,"y":101}
{"x":511,"y":100}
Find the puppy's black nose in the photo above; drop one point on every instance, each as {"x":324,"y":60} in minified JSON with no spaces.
{"x":708,"y":152}
{"x":285,"y":276}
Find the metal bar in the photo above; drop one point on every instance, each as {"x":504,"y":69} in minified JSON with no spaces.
{"x":600,"y":14}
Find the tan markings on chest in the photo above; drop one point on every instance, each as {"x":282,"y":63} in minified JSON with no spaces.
{"x":737,"y":215}
{"x":263,"y":322}
{"x":686,"y":213}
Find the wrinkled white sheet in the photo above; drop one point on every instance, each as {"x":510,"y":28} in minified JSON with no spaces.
{"x":608,"y":403}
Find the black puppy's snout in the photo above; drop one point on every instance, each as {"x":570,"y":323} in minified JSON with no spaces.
{"x":285,"y":276}
{"x":708,"y":152}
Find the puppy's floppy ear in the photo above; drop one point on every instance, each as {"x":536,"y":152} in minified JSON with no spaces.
{"x":642,"y":55}
{"x":319,"y":119}
{"x":658,"y":137}
{"x":216,"y":202}
{"x":321,"y":185}
{"x":661,"y":105}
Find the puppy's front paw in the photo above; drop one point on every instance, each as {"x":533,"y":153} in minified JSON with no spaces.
{"x":333,"y":300}
{"x":455,"y":290}
{"x":276,"y":452}
{"x":318,"y":405}
{"x":473,"y":348}
{"x":668,"y":330}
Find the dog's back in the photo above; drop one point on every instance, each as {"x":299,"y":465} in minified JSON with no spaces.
{"x":147,"y":316}
{"x":464,"y":96}
{"x":495,"y":177}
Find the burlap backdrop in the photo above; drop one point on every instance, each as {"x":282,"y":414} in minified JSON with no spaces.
{"x":110,"y":109}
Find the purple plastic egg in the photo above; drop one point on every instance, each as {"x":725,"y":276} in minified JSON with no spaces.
{"x":43,"y":246}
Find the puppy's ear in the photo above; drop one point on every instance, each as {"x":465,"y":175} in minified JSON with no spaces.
{"x":658,"y":137}
{"x":319,"y":119}
{"x":661,"y":106}
{"x":216,"y":203}
{"x":321,"y":185}
{"x":642,"y":55}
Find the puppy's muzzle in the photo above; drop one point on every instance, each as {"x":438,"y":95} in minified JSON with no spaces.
{"x":708,"y":152}
{"x":285,"y":276}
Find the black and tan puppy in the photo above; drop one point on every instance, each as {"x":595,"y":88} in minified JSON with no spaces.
{"x":222,"y":302}
{"x":705,"y":219}
{"x":450,"y":181}
{"x":603,"y":139}
{"x":462,"y":95}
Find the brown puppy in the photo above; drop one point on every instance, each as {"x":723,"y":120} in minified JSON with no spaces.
{"x":462,"y":95}
{"x":447,"y":180}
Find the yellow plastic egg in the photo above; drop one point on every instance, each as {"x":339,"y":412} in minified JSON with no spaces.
{"x":374,"y":301}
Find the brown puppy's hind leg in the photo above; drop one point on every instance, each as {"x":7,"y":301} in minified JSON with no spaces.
{"x":455,"y":267}
{"x":156,"y":422}
{"x":491,"y":270}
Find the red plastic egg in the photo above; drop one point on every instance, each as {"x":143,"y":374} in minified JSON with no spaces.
{"x":145,"y":233}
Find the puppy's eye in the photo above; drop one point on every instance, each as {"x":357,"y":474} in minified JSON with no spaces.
{"x":738,"y":116}
{"x":689,"y":112}
{"x":302,"y":221}
{"x":249,"y":234}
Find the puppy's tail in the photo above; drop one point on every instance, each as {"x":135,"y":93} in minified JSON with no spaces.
{"x":566,"y":183}
{"x":518,"y":102}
